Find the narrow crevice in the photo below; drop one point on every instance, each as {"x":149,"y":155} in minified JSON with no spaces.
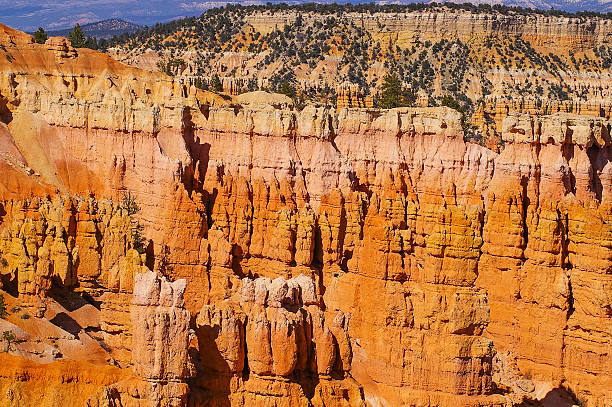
{"x":564,"y":219}
{"x":570,"y":298}
{"x":598,"y":161}
{"x":524,"y":207}
{"x":245,"y":369}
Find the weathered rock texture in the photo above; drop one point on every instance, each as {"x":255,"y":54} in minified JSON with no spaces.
{"x":160,"y":339}
{"x":275,"y":332}
{"x":363,"y":256}
{"x":501,"y":60}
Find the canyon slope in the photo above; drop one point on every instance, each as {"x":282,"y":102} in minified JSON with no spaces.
{"x":491,"y":61}
{"x":161,"y":245}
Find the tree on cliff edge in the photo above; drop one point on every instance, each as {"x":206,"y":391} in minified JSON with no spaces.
{"x":77,"y":37}
{"x":40,"y":36}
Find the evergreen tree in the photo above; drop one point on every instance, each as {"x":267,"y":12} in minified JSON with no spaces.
{"x":287,"y":89}
{"x":451,"y":102}
{"x":131,"y":208}
{"x":91,"y":43}
{"x":393,"y":94}
{"x":77,"y":37}
{"x":40,"y":36}
{"x":102,"y":44}
{"x":215,"y":84}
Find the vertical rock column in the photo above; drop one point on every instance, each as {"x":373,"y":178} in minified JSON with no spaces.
{"x":160,"y":326}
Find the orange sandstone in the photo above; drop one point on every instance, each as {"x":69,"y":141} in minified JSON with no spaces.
{"x":329,"y":258}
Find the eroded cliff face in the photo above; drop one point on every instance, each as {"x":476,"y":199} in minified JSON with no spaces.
{"x":359,"y":257}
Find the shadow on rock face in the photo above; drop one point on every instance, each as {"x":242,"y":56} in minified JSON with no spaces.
{"x":71,"y":300}
{"x":558,"y":397}
{"x":68,"y":324}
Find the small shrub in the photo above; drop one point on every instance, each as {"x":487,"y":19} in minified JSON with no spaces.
{"x":3,"y":312}
{"x":10,"y":339}
{"x":138,"y":239}
{"x":129,"y":204}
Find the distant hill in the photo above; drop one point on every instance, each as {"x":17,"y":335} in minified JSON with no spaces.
{"x":601,"y":6}
{"x":102,"y":29}
{"x":28,"y":15}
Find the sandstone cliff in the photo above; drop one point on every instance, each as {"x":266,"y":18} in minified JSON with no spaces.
{"x":359,"y":257}
{"x":491,"y":60}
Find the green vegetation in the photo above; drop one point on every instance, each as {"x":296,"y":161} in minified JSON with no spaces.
{"x":91,"y":43}
{"x":171,"y":67}
{"x":449,"y":101}
{"x":164,"y":267}
{"x":287,"y":89}
{"x":394,"y":94}
{"x":322,"y":46}
{"x":40,"y":36}
{"x":77,"y":37}
{"x":10,"y":338}
{"x":200,"y":84}
{"x":217,"y":26}
{"x":3,"y":312}
{"x":325,"y":32}
{"x":215,"y":84}
{"x":131,"y":207}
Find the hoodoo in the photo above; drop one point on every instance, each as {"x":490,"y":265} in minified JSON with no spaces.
{"x":162,"y":245}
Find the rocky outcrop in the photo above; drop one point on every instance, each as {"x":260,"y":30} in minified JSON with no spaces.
{"x":463,"y":24}
{"x":489,"y":116}
{"x":330,"y":257}
{"x":64,"y":241}
{"x":349,"y":95}
{"x":160,"y":327}
{"x":561,"y":196}
{"x":521,"y":60}
{"x":273,"y":331}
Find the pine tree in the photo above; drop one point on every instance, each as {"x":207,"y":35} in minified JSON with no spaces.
{"x":91,"y":43}
{"x":393,"y":94}
{"x":40,"y":36}
{"x":77,"y":37}
{"x":451,"y":102}
{"x":215,"y":84}
{"x":287,"y":89}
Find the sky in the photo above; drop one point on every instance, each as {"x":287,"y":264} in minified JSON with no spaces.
{"x":28,"y":15}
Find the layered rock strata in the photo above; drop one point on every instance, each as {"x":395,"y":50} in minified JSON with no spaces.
{"x":388,"y":259}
